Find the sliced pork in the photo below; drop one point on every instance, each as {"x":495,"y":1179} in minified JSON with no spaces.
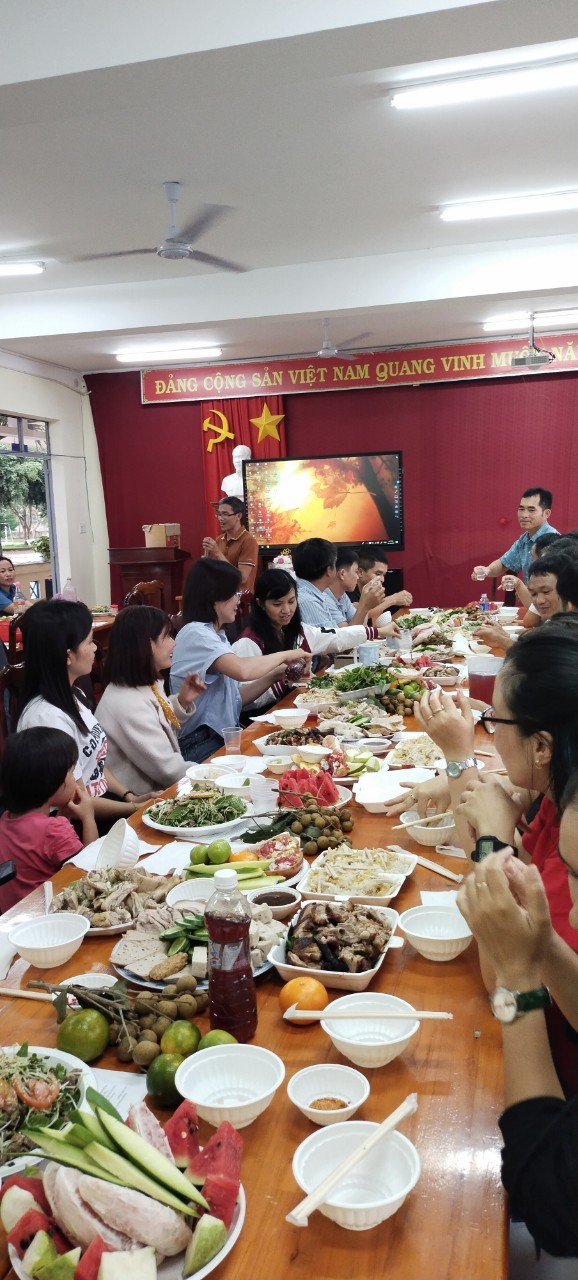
{"x":136,"y":1216}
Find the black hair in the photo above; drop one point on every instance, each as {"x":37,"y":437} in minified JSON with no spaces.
{"x":34,"y":767}
{"x":50,"y":628}
{"x":236,"y":505}
{"x":540,"y":685}
{"x":567,"y":542}
{"x":8,"y":561}
{"x":544,"y":496}
{"x":567,"y":583}
{"x":546,"y":540}
{"x":368,"y":557}
{"x":554,"y":563}
{"x":346,"y":558}
{"x":312,"y":558}
{"x":207,"y":582}
{"x":129,"y":660}
{"x":273,"y":584}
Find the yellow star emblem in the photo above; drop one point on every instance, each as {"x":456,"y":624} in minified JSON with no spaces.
{"x":267,"y":423}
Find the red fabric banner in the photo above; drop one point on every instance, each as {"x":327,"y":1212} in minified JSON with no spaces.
{"x":250,"y":422}
{"x":408,"y":366}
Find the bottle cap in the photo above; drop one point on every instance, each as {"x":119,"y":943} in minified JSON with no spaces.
{"x":225,"y":879}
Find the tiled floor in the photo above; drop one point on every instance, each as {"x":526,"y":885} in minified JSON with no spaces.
{"x":525,"y":1266}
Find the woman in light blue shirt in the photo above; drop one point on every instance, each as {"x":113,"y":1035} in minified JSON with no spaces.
{"x":210,"y":602}
{"x":7,"y":585}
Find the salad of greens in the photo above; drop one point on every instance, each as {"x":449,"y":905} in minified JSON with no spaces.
{"x":412,"y":620}
{"x":360,"y":678}
{"x":34,"y":1094}
{"x":202,"y":807}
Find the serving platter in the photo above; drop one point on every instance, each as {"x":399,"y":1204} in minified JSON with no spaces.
{"x":335,"y":980}
{"x":149,"y":985}
{"x":193,"y":833}
{"x":52,"y":1057}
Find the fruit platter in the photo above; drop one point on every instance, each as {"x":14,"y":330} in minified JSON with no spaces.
{"x":125,"y":1199}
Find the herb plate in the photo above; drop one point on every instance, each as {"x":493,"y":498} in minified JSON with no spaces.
{"x":52,"y":1058}
{"x":193,"y":833}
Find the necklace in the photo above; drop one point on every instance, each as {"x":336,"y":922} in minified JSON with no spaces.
{"x":166,"y":707}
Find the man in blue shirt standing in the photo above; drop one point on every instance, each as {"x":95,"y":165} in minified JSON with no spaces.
{"x":534,"y":508}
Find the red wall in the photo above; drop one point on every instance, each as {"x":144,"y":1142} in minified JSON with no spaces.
{"x":469,"y":450}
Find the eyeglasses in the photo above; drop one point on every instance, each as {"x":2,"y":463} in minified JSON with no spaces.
{"x":488,"y":719}
{"x":238,"y":595}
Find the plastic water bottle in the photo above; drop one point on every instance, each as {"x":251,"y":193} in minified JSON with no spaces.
{"x":20,"y":602}
{"x":484,"y":605}
{"x":69,"y":591}
{"x":232,"y":995}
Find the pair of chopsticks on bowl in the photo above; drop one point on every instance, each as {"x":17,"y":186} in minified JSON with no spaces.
{"x":299,"y":1216}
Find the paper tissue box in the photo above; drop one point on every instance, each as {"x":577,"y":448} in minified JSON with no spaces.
{"x":162,"y":535}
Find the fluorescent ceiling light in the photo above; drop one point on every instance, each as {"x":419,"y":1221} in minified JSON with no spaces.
{"x":481,"y":88}
{"x":168,"y":355}
{"x":21,"y":268}
{"x":542,"y":320}
{"x":511,"y":206}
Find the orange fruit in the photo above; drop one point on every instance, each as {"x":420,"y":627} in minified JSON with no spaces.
{"x":84,"y":1034}
{"x":306,"y":993}
{"x":243,"y":856}
{"x":181,"y":1037}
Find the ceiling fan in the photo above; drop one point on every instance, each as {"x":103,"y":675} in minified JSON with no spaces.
{"x":179,"y":243}
{"x":327,"y":347}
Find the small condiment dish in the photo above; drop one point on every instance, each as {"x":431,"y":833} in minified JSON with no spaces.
{"x":290,"y":718}
{"x":323,"y":1084}
{"x":282,"y":900}
{"x":276,"y":765}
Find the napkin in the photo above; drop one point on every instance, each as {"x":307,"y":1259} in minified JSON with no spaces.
{"x":86,"y":859}
{"x":175,"y":856}
{"x":439,"y":898}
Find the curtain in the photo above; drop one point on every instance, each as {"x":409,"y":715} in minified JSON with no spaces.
{"x":218,"y":462}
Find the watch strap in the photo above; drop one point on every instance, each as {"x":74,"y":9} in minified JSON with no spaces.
{"x":539,"y":998}
{"x":485,"y":845}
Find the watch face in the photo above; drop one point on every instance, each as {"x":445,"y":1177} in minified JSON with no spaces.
{"x":453,"y":769}
{"x":504,"y":1005}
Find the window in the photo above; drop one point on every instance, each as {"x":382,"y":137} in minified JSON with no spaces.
{"x":23,"y":435}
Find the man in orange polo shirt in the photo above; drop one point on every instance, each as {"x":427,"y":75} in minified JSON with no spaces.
{"x":235,"y":543}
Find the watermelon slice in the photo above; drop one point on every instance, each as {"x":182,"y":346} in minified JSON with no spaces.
{"x":221,"y":1194}
{"x":222,"y":1154}
{"x":88,"y":1267}
{"x":25,"y":1230}
{"x":27,"y":1183}
{"x":182,"y":1134}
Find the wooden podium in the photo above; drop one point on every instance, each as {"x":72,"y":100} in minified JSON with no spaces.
{"x":130,"y":565}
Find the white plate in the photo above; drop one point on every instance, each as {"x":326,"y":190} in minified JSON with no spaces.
{"x":284,"y":753}
{"x":193,"y":833}
{"x":52,"y":1057}
{"x":335,"y":981}
{"x":109,"y":931}
{"x":405,"y":739}
{"x":366,"y":900}
{"x":375,"y":790}
{"x":324,"y":703}
{"x":202,"y":984}
{"x":172,"y":1268}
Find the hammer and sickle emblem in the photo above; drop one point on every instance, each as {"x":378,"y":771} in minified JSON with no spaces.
{"x":221,"y":430}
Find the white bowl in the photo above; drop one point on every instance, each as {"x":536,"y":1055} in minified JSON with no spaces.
{"x":377,"y":1186}
{"x":199,"y":889}
{"x":282,"y":911}
{"x":241,"y":764}
{"x":235,"y":784}
{"x":374,"y":1042}
{"x":278,"y":765}
{"x":313,"y":753}
{"x":233,"y":1082}
{"x":508,"y":611}
{"x":328,"y":1081}
{"x":437,"y":833}
{"x":209,"y":772}
{"x":375,"y":790}
{"x":120,"y":848}
{"x":438,"y":933}
{"x":47,"y":941}
{"x":291,"y":718}
{"x":477,"y":647}
{"x":334,"y":979}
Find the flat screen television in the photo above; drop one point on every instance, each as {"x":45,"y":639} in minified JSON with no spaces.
{"x":356,"y":499}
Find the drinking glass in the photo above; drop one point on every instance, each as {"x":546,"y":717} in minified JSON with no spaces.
{"x":480,"y":575}
{"x":482,"y":671}
{"x":232,"y":738}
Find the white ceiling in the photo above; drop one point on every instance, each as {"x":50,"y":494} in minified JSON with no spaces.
{"x":280,"y":113}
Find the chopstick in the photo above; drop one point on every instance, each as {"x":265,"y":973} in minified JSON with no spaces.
{"x":24,"y":995}
{"x":299,"y":1216}
{"x":294,"y":1014}
{"x":424,"y":822}
{"x":442,"y":871}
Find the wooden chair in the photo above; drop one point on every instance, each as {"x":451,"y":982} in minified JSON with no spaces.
{"x":14,"y":640}
{"x":11,"y":686}
{"x":152,"y":593}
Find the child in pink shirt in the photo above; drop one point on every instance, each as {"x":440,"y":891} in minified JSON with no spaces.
{"x":37,"y":775}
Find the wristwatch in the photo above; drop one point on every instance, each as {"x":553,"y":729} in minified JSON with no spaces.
{"x":455,"y":768}
{"x":508,"y":1005}
{"x":485,"y":845}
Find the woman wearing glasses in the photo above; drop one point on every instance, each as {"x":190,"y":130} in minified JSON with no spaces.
{"x":535,"y":714}
{"x":210,"y":602}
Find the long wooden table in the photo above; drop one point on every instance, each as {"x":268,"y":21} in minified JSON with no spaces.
{"x":454,"y":1224}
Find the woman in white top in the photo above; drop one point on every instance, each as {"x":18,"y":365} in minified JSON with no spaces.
{"x":140,"y":722}
{"x":58,"y":650}
{"x":275,"y":623}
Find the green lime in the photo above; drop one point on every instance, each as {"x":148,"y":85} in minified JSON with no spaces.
{"x":182,"y":1037}
{"x":161,"y":1079}
{"x":84,"y":1034}
{"x":198,"y":854}
{"x":218,"y":851}
{"x":216,"y":1037}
